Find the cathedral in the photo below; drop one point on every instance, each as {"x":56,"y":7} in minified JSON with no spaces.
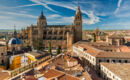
{"x":59,"y":35}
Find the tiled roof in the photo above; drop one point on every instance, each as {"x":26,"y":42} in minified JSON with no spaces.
{"x":87,"y":76}
{"x":3,"y":75}
{"x":30,"y":77}
{"x":117,"y":36}
{"x":113,"y":55}
{"x":52,"y":74}
{"x":68,"y":77}
{"x":91,"y":50}
{"x":100,"y":53}
{"x":120,"y":69}
{"x":125,"y":49}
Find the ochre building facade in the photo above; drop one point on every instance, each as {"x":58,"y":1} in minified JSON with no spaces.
{"x":59,"y":35}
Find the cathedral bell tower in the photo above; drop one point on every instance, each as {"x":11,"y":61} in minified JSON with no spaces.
{"x":78,"y":25}
{"x":41,"y":24}
{"x":42,"y":21}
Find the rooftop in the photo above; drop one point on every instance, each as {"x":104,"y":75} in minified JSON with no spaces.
{"x":3,"y":75}
{"x":38,"y":54}
{"x":101,"y":53}
{"x":120,"y":69}
{"x":52,"y":73}
{"x":69,"y":77}
{"x":117,"y":36}
{"x":114,"y":55}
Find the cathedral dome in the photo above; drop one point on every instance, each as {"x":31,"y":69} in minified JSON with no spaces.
{"x":13,"y":41}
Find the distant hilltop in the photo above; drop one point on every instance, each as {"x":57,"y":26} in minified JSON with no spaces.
{"x":7,"y":30}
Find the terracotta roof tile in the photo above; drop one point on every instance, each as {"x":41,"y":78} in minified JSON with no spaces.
{"x":69,"y":77}
{"x":119,"y":69}
{"x":52,"y":74}
{"x":3,"y":75}
{"x":100,"y":53}
{"x":113,"y":55}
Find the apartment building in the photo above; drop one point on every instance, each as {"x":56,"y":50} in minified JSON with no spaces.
{"x":94,"y":56}
{"x":115,"y":71}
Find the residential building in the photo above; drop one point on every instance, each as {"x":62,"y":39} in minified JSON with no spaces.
{"x":115,"y":71}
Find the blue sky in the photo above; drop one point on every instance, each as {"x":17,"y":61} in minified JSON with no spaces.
{"x":104,"y":14}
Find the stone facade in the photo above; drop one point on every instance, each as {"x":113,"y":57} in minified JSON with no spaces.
{"x":117,"y":71}
{"x":59,"y":35}
{"x":3,"y":57}
{"x":95,"y":56}
{"x":116,"y":39}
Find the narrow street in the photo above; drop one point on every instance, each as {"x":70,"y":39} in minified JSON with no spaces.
{"x":90,"y":70}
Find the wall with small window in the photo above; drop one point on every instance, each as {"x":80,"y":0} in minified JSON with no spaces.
{"x":113,"y":60}
{"x":108,"y":74}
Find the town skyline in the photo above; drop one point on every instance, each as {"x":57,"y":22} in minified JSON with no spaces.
{"x":102,"y":14}
{"x":64,"y":40}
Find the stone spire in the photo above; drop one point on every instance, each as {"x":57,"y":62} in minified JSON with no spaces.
{"x":15,"y":32}
{"x":42,"y":12}
{"x":42,"y":15}
{"x":78,"y":10}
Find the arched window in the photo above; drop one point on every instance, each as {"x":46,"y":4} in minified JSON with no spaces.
{"x":60,"y":38}
{"x":2,"y":54}
{"x":54,"y":38}
{"x":49,"y":32}
{"x":126,"y":61}
{"x":79,"y":24}
{"x":55,"y":32}
{"x":78,"y":17}
{"x":2,"y":61}
{"x":66,"y":32}
{"x":113,"y":61}
{"x":61,"y":32}
{"x":120,"y":61}
{"x":49,"y":37}
{"x":108,"y":60}
{"x":35,"y":32}
{"x":44,"y":37}
{"x":100,"y":60}
{"x":44,"y":31}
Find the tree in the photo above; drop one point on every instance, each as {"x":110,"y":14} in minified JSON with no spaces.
{"x":58,"y":51}
{"x":38,"y":44}
{"x":49,"y":47}
{"x":94,"y":37}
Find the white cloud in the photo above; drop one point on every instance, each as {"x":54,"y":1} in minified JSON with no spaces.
{"x":8,"y":19}
{"x":27,"y":5}
{"x":118,"y":6}
{"x":53,"y":16}
{"x":5,"y":17}
{"x":124,"y":11}
{"x":9,"y":22}
{"x":43,"y":4}
{"x":119,"y":3}
{"x":12,"y":17}
{"x":18,"y":14}
{"x":93,"y":18}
